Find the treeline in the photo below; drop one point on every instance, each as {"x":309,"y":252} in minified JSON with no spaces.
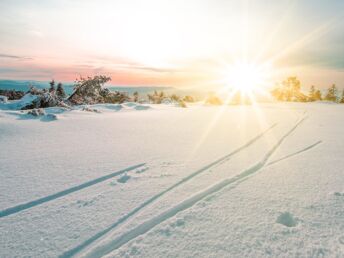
{"x":290,"y":90}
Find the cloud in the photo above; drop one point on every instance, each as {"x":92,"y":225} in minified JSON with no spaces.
{"x":15,"y":57}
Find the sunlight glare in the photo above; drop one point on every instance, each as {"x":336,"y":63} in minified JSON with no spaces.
{"x":245,"y":77}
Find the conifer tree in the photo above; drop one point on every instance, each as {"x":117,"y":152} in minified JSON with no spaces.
{"x":342,"y":99}
{"x":318,"y":95}
{"x":60,"y":91}
{"x":136,"y":96}
{"x":311,"y":95}
{"x":331,"y":93}
{"x":52,"y":86}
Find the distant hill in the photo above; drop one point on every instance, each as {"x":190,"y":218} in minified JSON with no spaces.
{"x":23,"y":85}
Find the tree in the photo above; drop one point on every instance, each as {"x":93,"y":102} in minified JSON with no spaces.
{"x":289,"y":90}
{"x":292,"y":88}
{"x":90,"y":90}
{"x":60,"y":92}
{"x":314,"y":94}
{"x":318,"y":95}
{"x":342,"y":99}
{"x":331,"y":93}
{"x":52,"y":86}
{"x":311,"y":95}
{"x":136,"y":96}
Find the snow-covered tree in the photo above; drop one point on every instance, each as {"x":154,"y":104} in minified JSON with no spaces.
{"x":136,"y":96}
{"x":52,"y":86}
{"x":60,"y":92}
{"x":90,"y":90}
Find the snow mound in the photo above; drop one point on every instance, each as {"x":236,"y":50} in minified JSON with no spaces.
{"x":130,"y":104}
{"x":287,"y":219}
{"x":115,"y":107}
{"x":49,"y":117}
{"x":40,"y":113}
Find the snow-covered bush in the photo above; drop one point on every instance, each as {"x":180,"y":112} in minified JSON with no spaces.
{"x":36,"y":112}
{"x":188,"y":99}
{"x":88,"y":109}
{"x":90,"y":91}
{"x":182,"y":104}
{"x":12,"y":94}
{"x":156,"y":98}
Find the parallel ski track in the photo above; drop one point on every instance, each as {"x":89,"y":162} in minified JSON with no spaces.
{"x":121,"y":220}
{"x":109,"y":246}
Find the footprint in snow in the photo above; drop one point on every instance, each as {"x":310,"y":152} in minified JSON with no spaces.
{"x":113,"y":183}
{"x":341,"y":194}
{"x":123,"y":179}
{"x":178,"y":223}
{"x":287,"y":219}
{"x":165,"y":232}
{"x":84,"y":203}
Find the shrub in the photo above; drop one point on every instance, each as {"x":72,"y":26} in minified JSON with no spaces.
{"x":213,"y":100}
{"x":188,"y":99}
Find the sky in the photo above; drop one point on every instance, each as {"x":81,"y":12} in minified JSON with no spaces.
{"x":175,"y":43}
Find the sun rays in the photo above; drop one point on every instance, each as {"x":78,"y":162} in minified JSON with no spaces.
{"x":244,"y":79}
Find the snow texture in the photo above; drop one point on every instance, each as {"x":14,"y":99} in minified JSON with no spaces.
{"x":134,"y":180}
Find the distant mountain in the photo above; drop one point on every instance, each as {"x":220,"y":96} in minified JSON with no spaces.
{"x":25,"y":86}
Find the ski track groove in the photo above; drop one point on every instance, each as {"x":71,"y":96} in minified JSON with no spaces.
{"x":42,"y":200}
{"x":144,"y":227}
{"x":121,"y":220}
{"x":295,"y":153}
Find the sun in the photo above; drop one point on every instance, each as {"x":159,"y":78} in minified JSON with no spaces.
{"x":246,"y":77}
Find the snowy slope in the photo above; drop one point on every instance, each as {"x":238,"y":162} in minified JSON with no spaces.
{"x":162,"y":181}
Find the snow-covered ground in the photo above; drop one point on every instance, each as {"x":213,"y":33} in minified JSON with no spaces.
{"x":163,"y":181}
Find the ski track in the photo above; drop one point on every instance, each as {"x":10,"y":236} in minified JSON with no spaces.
{"x":295,"y":153}
{"x":95,"y":237}
{"x":31,"y":204}
{"x":141,"y":229}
